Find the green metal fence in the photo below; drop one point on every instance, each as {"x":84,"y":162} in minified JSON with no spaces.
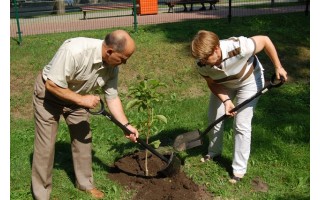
{"x":31,"y":17}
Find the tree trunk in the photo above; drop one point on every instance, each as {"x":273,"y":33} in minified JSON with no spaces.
{"x":272,"y":3}
{"x":59,"y":7}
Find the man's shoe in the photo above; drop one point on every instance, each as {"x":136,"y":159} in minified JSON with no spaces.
{"x":206,"y":158}
{"x":95,"y":193}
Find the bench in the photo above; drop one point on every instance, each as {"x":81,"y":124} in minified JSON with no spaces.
{"x":172,"y":3}
{"x":110,"y":6}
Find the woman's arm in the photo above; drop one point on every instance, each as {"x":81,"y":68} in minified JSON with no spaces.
{"x":264,"y":43}
{"x":222,"y":94}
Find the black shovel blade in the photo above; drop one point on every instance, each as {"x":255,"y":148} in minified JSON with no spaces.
{"x":187,"y":141}
{"x":173,"y":166}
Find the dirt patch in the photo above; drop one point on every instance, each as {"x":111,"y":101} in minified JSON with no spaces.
{"x":258,"y":185}
{"x":129,"y":171}
{"x":21,"y":90}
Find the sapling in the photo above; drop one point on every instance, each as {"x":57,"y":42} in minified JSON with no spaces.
{"x":145,"y":97}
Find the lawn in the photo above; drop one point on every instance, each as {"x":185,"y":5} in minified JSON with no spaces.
{"x":281,"y":127}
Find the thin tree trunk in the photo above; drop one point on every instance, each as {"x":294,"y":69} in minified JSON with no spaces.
{"x":147,"y":138}
{"x":59,"y":7}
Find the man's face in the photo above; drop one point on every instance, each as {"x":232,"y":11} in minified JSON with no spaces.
{"x":114,"y":58}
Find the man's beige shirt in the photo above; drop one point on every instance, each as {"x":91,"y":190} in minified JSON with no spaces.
{"x":78,"y":65}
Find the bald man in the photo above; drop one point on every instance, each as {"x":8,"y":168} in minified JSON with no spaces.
{"x":62,"y":88}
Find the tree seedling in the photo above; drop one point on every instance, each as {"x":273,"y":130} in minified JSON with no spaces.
{"x":145,"y":97}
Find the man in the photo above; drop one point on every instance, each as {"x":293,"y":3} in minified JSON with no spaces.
{"x":233,"y":73}
{"x":62,"y":88}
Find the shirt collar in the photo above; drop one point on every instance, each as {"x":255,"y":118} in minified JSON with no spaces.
{"x":224,"y":53}
{"x":98,"y":55}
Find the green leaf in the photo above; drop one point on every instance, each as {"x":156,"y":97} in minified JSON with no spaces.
{"x":161,"y":118}
{"x":155,"y":144}
{"x":115,"y":189}
{"x":132,"y":103}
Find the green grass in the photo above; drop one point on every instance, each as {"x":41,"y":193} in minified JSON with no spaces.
{"x":281,"y":133}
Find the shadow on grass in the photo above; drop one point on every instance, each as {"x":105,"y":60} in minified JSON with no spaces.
{"x":63,"y":160}
{"x":278,"y":27}
{"x":295,"y":197}
{"x":283,"y":112}
{"x":167,"y":138}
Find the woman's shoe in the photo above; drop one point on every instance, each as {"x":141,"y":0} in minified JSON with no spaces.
{"x":234,"y":179}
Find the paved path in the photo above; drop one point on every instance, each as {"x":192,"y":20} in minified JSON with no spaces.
{"x":101,"y":20}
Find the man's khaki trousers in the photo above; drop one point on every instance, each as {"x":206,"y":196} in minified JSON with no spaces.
{"x":47,"y":112}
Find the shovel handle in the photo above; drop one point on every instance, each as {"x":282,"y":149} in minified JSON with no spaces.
{"x":273,"y":83}
{"x":103,"y":112}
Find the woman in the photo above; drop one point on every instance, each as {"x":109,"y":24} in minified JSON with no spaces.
{"x":233,"y":74}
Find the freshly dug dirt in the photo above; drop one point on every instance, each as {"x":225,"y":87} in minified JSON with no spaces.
{"x":129,"y":171}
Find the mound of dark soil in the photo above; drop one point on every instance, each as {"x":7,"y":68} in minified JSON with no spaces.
{"x":129,"y":171}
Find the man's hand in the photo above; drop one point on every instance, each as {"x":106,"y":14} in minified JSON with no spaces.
{"x":133,"y":135}
{"x":90,"y":101}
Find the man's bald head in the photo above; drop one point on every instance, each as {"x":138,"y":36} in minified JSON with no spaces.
{"x":120,"y":41}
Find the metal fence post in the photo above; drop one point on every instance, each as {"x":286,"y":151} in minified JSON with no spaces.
{"x":16,"y":12}
{"x":307,"y":8}
{"x":229,"y":15}
{"x":135,"y":22}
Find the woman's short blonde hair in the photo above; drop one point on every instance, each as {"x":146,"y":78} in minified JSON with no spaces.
{"x":203,"y":44}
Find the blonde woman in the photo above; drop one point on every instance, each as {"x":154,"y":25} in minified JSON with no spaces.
{"x":233,"y":73}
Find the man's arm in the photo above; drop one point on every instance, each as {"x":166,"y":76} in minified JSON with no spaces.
{"x":116,"y":109}
{"x":65,"y":94}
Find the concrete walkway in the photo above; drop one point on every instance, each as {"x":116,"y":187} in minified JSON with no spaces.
{"x":102,"y":20}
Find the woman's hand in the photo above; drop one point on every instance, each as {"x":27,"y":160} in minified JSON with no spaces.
{"x":281,"y":72}
{"x":228,"y":107}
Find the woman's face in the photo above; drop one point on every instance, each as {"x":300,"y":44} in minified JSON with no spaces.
{"x":214,"y":58}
